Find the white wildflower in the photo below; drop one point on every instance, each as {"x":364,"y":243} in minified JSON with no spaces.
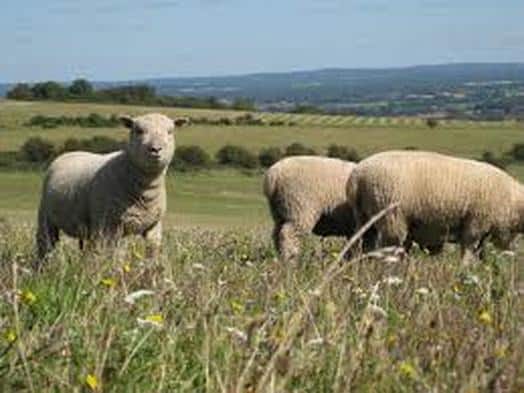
{"x":237,"y":333}
{"x":134,"y":296}
{"x":422,"y":291}
{"x":393,"y":280}
{"x":377,"y":311}
{"x":316,"y":342}
{"x":391,"y":259}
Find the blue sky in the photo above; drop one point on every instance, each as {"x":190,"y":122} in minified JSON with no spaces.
{"x":129,"y":39}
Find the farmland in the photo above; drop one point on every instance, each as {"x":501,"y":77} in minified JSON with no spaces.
{"x":223,"y":314}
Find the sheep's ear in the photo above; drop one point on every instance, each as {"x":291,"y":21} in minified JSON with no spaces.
{"x":126,"y":120}
{"x":181,"y":121}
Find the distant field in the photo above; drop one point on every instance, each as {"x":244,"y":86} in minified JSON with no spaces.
{"x":367,"y":135}
{"x":229,"y":198}
{"x":211,"y":199}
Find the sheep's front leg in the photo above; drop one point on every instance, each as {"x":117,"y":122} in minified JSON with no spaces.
{"x":153,"y":237}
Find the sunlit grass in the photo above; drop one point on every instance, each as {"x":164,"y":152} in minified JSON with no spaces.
{"x":217,"y":312}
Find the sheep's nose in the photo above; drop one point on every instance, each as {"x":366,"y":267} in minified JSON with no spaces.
{"x":154,"y":149}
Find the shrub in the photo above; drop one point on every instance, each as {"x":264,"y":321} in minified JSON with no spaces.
{"x":269,"y":156}
{"x":517,"y":151}
{"x":236,"y":156}
{"x":342,"y":152}
{"x":191,"y":157}
{"x":37,"y":149}
{"x":298,"y":149}
{"x":97,"y":144}
{"x":492,"y":159}
{"x":431,"y":122}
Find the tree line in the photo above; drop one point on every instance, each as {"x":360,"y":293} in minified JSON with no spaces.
{"x":139,"y":94}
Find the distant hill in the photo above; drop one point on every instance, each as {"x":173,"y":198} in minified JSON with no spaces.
{"x":488,"y":91}
{"x":341,"y":85}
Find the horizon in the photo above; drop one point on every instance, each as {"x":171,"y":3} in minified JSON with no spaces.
{"x":154,"y":39}
{"x":247,"y":74}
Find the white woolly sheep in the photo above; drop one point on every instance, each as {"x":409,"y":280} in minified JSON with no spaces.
{"x":441,"y":198}
{"x":97,"y":197}
{"x":306,"y":194}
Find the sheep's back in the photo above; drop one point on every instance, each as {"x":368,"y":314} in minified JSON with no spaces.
{"x":307,"y":184}
{"x":434,"y":187}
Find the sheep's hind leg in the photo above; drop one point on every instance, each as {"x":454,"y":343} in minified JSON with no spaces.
{"x":471,"y":242}
{"x":287,"y":241}
{"x":46,"y":238}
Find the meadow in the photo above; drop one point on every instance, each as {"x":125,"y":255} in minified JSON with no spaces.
{"x":217,"y":312}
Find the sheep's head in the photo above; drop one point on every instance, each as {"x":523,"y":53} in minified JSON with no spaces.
{"x":151,"y":140}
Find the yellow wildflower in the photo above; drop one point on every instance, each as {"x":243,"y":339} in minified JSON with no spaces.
{"x":485,"y":318}
{"x":28,"y":297}
{"x":108,"y":282}
{"x":501,"y":351}
{"x":237,"y":307}
{"x":92,"y":382}
{"x":10,"y":336}
{"x":155,"y":318}
{"x":407,"y":370}
{"x":126,"y":268}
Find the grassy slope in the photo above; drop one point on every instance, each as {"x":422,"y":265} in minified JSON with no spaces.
{"x":212,"y":288}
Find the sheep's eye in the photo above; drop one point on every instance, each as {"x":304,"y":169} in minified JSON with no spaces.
{"x":139,"y":131}
{"x":170,"y":131}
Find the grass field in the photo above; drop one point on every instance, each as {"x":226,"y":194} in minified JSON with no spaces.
{"x":222,"y":314}
{"x":228,"y":198}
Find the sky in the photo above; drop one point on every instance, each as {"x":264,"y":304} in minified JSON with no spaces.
{"x":133,"y":39}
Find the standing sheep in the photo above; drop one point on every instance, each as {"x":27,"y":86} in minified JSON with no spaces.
{"x":306,"y":194}
{"x":104,"y":196}
{"x":440,"y":198}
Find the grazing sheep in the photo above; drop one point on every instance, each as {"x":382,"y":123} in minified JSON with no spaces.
{"x":306,"y":194}
{"x":441,"y":198}
{"x":104,"y":196}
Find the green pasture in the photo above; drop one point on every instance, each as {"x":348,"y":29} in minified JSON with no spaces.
{"x":232,"y":198}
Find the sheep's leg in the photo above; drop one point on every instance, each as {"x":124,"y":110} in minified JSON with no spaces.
{"x":288,"y":243}
{"x":153,"y":239}
{"x":470,"y":242}
{"x":392,"y":231}
{"x":46,"y":237}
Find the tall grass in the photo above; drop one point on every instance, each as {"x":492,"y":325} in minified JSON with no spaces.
{"x":224,"y":315}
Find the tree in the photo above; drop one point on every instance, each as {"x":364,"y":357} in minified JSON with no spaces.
{"x":48,"y":90}
{"x":21,"y":91}
{"x":80,"y":87}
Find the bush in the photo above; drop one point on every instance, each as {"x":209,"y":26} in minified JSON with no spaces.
{"x":298,"y":149}
{"x":431,"y":122}
{"x":37,"y":149}
{"x":342,"y":152}
{"x":236,"y":156}
{"x":517,"y":152}
{"x":492,"y":159}
{"x":97,"y":144}
{"x":269,"y":156}
{"x":92,"y":120}
{"x":191,"y":157}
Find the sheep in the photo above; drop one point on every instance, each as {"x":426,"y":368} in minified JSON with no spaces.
{"x":101,"y":197}
{"x":441,"y":198}
{"x":306,"y":194}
